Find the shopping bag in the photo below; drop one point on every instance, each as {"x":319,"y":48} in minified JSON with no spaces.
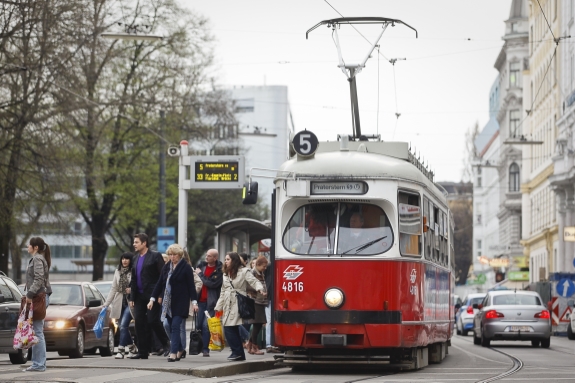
{"x":24,"y":338}
{"x":196,"y":343}
{"x":216,"y":333}
{"x":99,"y":326}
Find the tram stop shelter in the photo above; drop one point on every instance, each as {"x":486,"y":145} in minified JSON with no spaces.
{"x":240,"y":234}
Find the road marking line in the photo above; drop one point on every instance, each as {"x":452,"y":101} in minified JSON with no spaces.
{"x":118,"y":376}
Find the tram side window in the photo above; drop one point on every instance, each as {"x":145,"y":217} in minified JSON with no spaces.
{"x":409,"y":223}
{"x":428,"y":236}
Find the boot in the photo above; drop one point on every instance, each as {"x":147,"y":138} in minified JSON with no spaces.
{"x":255,"y":350}
{"x":249,"y":346}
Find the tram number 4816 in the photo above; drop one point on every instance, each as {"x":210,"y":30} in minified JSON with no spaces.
{"x":293,"y":286}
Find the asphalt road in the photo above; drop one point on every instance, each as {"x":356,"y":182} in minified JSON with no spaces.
{"x":466,"y":362}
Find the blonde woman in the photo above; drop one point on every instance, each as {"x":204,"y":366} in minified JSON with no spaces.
{"x":177,"y":285}
{"x":236,"y":278}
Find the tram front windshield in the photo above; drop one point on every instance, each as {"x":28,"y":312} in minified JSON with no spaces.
{"x":338,"y":228}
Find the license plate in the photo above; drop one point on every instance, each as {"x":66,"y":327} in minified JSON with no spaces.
{"x":520,"y":328}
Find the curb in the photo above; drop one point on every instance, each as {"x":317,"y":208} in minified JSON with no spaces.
{"x":210,"y":371}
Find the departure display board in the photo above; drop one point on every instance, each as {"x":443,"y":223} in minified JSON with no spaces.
{"x":217,"y":171}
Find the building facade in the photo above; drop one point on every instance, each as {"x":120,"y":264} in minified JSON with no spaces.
{"x":539,"y":130}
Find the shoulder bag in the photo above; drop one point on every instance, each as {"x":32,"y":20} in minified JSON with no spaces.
{"x":246,"y":305}
{"x":39,"y":302}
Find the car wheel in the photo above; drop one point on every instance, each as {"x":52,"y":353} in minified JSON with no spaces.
{"x":17,"y":358}
{"x":570,"y":334}
{"x":457,"y":330}
{"x":464,"y":332}
{"x":476,"y":339}
{"x":108,"y":350}
{"x":535,"y":343}
{"x":545,"y":343}
{"x":485,"y":341}
{"x":78,"y":352}
{"x":64,"y":353}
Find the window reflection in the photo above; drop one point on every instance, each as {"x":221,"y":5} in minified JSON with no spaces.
{"x":361,"y":229}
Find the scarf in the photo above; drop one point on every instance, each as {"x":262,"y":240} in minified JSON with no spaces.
{"x":167,"y":301}
{"x":124,"y":279}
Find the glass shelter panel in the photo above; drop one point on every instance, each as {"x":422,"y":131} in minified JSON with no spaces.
{"x":338,"y":228}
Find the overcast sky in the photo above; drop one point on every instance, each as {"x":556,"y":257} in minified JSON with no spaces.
{"x":441,"y":90}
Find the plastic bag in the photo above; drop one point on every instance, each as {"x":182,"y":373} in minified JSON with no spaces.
{"x":99,"y":326}
{"x":216,"y":333}
{"x":24,"y":338}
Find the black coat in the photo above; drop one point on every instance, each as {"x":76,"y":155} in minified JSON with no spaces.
{"x":213,"y":283}
{"x":183,"y":288}
{"x":151,"y":271}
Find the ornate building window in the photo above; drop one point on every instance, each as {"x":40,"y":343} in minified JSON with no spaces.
{"x":514,"y":178}
{"x":515,"y":75}
{"x":514,"y":117}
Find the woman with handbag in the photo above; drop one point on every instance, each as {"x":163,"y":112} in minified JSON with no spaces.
{"x":38,"y":290}
{"x":176,"y":288}
{"x":261,"y":301}
{"x":118,"y":297}
{"x":235,"y":281}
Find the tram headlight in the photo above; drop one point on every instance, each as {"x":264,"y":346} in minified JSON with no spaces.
{"x":333,"y":298}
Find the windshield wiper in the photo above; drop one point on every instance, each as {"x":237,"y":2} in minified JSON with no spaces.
{"x":364,"y":246}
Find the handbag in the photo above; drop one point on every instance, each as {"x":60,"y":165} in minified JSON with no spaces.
{"x":99,"y":326}
{"x":24,"y":337}
{"x":246,"y":305}
{"x":39,"y":302}
{"x":196,"y":342}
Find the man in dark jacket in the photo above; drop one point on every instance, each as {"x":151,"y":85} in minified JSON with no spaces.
{"x":210,"y":272}
{"x":146,"y":269}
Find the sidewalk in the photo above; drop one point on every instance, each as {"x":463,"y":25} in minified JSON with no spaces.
{"x":216,"y":365}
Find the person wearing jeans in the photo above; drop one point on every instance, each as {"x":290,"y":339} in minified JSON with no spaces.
{"x":38,"y":282}
{"x":235,"y":280}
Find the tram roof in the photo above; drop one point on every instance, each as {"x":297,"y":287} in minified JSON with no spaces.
{"x":361,"y":160}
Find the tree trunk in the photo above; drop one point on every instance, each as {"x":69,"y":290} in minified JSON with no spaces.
{"x":16,"y":253}
{"x":99,"y":251}
{"x":4,"y":246}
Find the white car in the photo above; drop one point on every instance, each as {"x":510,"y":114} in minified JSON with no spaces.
{"x":464,"y":316}
{"x":571,"y":325}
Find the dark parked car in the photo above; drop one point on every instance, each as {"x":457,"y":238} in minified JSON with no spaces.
{"x":70,"y":319}
{"x":105,"y":287}
{"x":512,"y":315}
{"x":10,"y":298}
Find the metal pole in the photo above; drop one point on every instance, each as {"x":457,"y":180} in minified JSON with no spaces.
{"x":162,"y":172}
{"x":183,"y":196}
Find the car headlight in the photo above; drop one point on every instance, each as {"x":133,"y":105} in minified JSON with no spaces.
{"x":57,"y":324}
{"x":333,"y":298}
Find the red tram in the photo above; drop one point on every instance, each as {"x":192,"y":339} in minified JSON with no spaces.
{"x":362,"y":252}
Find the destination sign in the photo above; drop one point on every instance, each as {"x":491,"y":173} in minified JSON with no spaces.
{"x":350,"y":187}
{"x":217,"y":171}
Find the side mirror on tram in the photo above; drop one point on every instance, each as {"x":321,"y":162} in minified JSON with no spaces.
{"x":250,"y":193}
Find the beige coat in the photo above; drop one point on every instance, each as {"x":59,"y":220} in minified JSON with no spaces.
{"x":227,"y":301}
{"x":115,"y":296}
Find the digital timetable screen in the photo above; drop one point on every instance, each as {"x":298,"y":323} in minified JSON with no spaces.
{"x":217,"y":171}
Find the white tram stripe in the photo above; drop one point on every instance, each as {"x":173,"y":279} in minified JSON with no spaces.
{"x":118,"y":376}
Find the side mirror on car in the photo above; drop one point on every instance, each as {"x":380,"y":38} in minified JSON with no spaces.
{"x":94,"y":303}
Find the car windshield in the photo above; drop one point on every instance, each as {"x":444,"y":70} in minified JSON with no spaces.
{"x":338,"y":228}
{"x":104,"y":288}
{"x":516,"y":299}
{"x":66,"y":295}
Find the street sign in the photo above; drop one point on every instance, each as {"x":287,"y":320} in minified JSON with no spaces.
{"x":166,"y":237}
{"x":569,"y":233}
{"x":566,"y":315}
{"x":518,"y":275}
{"x":565,"y":287}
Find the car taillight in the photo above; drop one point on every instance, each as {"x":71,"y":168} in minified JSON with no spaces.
{"x":543,"y":315}
{"x":470,"y":309}
{"x":492,"y":314}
